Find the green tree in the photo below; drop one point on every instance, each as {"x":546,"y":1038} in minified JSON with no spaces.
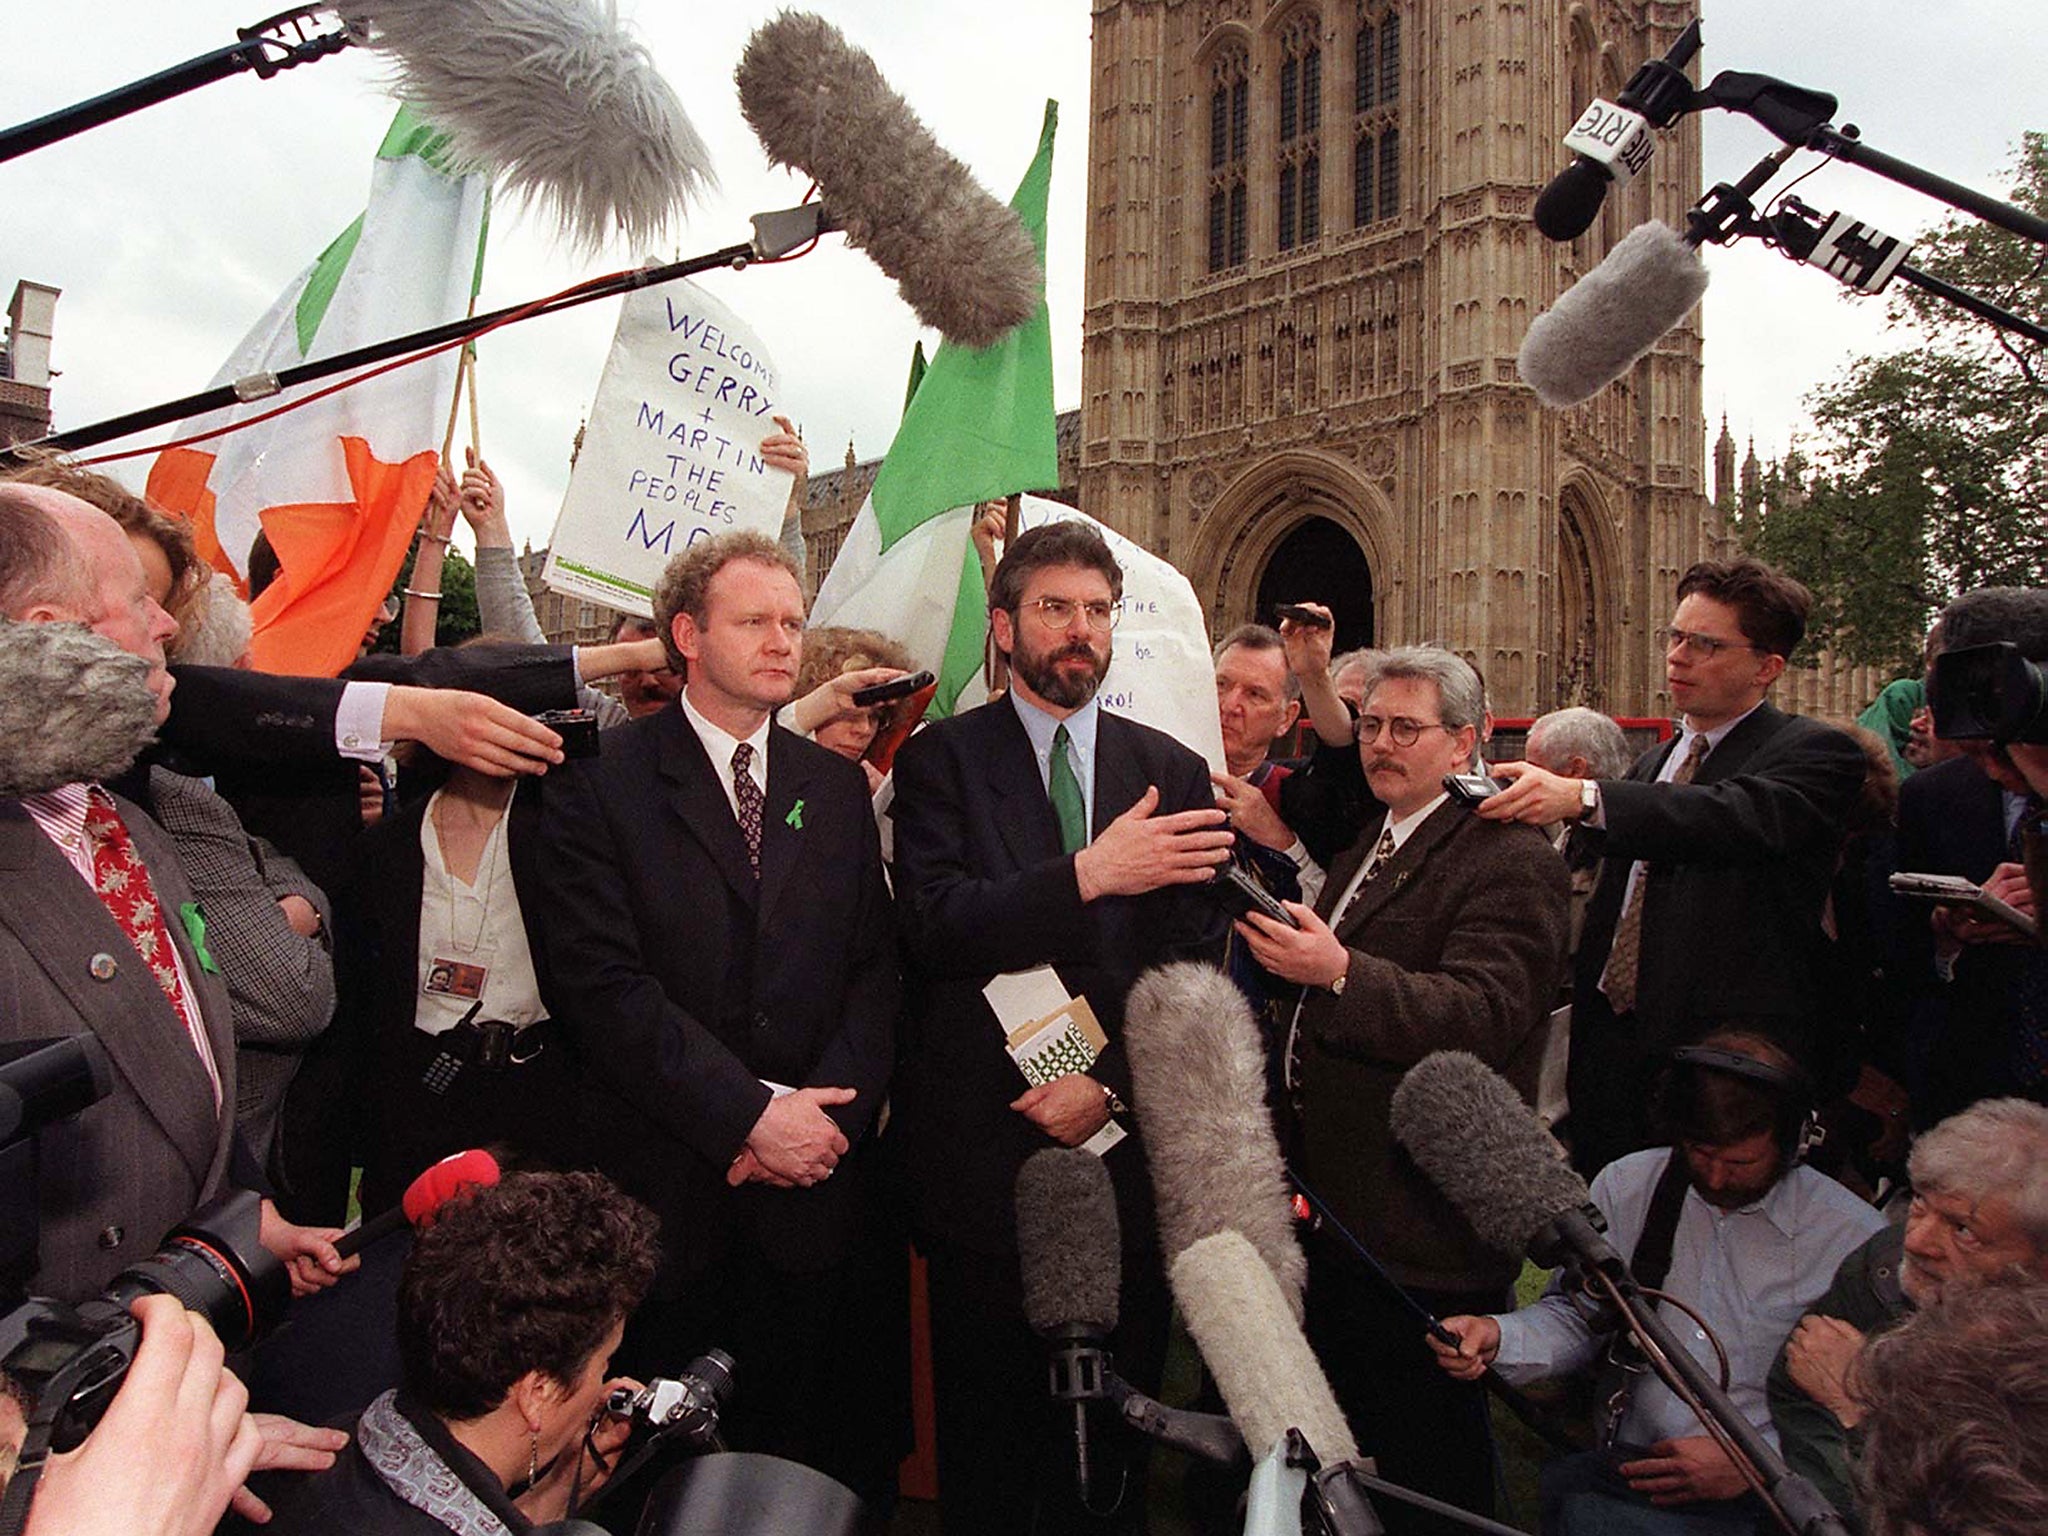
{"x":1931,"y":461}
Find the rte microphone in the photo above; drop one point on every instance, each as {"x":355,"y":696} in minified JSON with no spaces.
{"x":1479,"y":1142}
{"x":424,"y":1197}
{"x":1613,"y":140}
{"x":1200,"y":1082}
{"x":961,"y":259}
{"x":73,"y":707}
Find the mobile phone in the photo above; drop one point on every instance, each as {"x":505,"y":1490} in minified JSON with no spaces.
{"x":576,"y":727}
{"x":1955,"y":891}
{"x":1241,"y":895}
{"x":1471,"y":788}
{"x":891,"y":691}
{"x":1301,"y":615}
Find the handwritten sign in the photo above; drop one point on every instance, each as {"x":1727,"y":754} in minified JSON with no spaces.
{"x":671,"y":453}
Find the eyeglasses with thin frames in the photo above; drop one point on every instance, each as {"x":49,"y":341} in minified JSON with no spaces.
{"x":1405,"y":732}
{"x":1696,"y":646}
{"x":1058,"y":613}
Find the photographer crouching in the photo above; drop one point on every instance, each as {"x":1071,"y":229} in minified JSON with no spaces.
{"x":509,"y":1310}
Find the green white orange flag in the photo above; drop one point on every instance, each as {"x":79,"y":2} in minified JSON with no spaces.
{"x":340,"y":483}
{"x":978,"y":425}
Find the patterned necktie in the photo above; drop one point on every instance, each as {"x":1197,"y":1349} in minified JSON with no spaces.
{"x":1382,"y":851}
{"x":123,"y":884}
{"x":1625,"y":954}
{"x":1067,"y":802}
{"x":751,"y":803}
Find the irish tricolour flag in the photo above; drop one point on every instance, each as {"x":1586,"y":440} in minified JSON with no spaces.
{"x":339,"y":484}
{"x":979,"y":426}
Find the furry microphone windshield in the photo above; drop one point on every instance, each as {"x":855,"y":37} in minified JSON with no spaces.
{"x":555,"y":98}
{"x":961,"y":259}
{"x":73,"y":707}
{"x":1200,"y":1085}
{"x":1476,"y":1139}
{"x":1610,"y":317}
{"x":1068,"y":1243}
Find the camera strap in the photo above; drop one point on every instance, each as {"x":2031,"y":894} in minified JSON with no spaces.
{"x":1650,"y":1263}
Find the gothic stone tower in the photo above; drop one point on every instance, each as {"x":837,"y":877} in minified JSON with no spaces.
{"x":1310,"y":265}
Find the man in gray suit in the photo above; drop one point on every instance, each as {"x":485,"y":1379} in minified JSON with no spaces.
{"x":99,"y":932}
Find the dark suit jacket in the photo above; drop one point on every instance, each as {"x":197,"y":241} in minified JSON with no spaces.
{"x":1739,"y":863}
{"x":689,"y":981}
{"x":985,"y":890}
{"x":1952,"y":822}
{"x":1456,"y":944}
{"x":120,"y":1175}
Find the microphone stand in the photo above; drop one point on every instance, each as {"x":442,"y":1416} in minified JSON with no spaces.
{"x":265,"y":49}
{"x":775,"y":235}
{"x":1794,"y":1501}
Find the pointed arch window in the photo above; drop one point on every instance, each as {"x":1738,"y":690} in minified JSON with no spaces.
{"x":1376,"y":114}
{"x":1300,"y":170}
{"x":1229,"y":133}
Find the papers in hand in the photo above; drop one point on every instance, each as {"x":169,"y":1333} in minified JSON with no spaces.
{"x":1049,"y":1034}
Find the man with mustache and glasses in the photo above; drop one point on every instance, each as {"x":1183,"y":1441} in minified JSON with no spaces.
{"x":1435,"y":931}
{"x":1037,"y":830}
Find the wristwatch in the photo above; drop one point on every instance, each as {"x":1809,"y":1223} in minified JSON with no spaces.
{"x":1589,"y":798}
{"x":1110,"y":1101}
{"x":1336,"y":988}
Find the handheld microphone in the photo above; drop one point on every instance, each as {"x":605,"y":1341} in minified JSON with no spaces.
{"x":1613,"y":140}
{"x":73,"y":707}
{"x":1197,"y":1066}
{"x":961,"y":259}
{"x":424,"y":1197}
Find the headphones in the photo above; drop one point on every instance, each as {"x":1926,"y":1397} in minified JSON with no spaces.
{"x":1793,"y":1122}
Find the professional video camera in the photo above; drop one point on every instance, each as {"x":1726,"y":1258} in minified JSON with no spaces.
{"x":67,"y":1361}
{"x":1989,"y":693}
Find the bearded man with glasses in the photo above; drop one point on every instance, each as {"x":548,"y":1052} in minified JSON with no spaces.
{"x":1036,"y":831}
{"x":1718,"y":849}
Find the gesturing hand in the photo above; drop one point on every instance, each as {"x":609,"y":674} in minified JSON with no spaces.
{"x":1140,"y":852}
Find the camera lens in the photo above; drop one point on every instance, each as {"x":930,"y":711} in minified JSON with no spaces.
{"x":217,"y":1268}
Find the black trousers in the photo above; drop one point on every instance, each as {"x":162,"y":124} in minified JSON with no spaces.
{"x":1005,"y":1448}
{"x":1426,"y":1431}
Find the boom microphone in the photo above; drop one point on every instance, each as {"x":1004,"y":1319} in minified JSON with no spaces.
{"x":1609,"y":318}
{"x":424,"y":1196}
{"x":1242,"y":1323}
{"x":1612,"y":141}
{"x":73,"y":707}
{"x":1201,"y":1104}
{"x":961,"y":260}
{"x":1478,"y":1141}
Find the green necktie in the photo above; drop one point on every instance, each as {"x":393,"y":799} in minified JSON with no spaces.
{"x":1067,"y":803}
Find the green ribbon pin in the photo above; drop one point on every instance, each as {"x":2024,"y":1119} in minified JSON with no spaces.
{"x":795,"y":818}
{"x":195,"y":930}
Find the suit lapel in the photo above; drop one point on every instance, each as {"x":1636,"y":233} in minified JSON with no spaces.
{"x":1023,"y":812}
{"x":790,"y":775}
{"x":64,"y":927}
{"x":1119,"y":776}
{"x":1394,"y":875}
{"x":1739,"y":745}
{"x":698,"y":798}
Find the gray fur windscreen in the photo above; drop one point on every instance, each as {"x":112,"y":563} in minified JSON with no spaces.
{"x":1068,"y":1241}
{"x":1198,"y":1073}
{"x":961,"y":259}
{"x":72,"y":707}
{"x":1480,"y":1143}
{"x":1613,"y":315}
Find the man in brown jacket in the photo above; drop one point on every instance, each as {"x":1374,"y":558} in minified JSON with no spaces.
{"x":1448,"y":933}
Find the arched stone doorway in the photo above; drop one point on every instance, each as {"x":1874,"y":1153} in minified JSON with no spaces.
{"x":1583,"y":642}
{"x":1319,"y":561}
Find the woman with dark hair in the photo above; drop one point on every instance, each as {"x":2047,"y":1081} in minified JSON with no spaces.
{"x":511,"y":1305}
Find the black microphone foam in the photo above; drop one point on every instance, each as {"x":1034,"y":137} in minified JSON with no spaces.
{"x":1567,"y":207}
{"x":1478,"y":1141}
{"x":1609,"y":318}
{"x":1198,"y":1070}
{"x":1068,"y":1242}
{"x":960,"y":258}
{"x":73,"y":707}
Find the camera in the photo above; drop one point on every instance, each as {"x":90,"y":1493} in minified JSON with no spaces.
{"x":576,"y":727}
{"x":1989,"y":693}
{"x":69,"y":1361}
{"x":685,"y":1408}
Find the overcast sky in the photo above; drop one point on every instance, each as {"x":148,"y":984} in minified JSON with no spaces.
{"x":171,"y":231}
